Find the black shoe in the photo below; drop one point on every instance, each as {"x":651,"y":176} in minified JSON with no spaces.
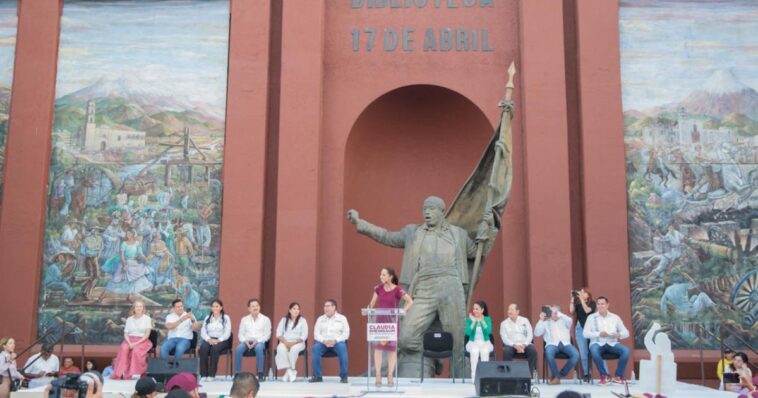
{"x":343,"y":380}
{"x":315,"y":379}
{"x":587,"y":378}
{"x":261,"y":376}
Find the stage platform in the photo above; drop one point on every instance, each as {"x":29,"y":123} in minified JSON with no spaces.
{"x":408,"y":388}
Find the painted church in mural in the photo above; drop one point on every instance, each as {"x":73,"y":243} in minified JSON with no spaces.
{"x":8,"y":24}
{"x":689,"y":79}
{"x":134,"y":198}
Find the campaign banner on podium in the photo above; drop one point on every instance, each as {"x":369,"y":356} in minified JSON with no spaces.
{"x":381,"y":332}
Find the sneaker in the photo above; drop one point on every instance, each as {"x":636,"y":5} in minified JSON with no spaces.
{"x":293,"y":375}
{"x":343,"y":380}
{"x":555,"y":380}
{"x":604,"y":380}
{"x":587,"y":378}
{"x":286,"y":376}
{"x":618,"y":380}
{"x":315,"y":379}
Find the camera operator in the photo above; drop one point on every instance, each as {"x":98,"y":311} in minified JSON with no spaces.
{"x":582,"y":305}
{"x":8,"y":371}
{"x":71,"y":385}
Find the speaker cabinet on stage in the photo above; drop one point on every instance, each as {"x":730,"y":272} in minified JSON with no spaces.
{"x":162,"y":369}
{"x":503,"y":378}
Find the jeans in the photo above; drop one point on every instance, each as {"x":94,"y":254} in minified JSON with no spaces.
{"x":619,"y":349}
{"x":569,"y":350}
{"x":177,"y":344}
{"x":260,"y":349}
{"x":583,"y":344}
{"x":319,"y":349}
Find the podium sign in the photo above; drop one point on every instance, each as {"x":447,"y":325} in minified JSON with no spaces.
{"x":378,"y":332}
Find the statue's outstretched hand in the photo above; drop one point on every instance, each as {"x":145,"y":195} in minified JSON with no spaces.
{"x":352,"y":216}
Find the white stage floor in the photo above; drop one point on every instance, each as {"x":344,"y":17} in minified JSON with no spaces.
{"x":408,"y":388}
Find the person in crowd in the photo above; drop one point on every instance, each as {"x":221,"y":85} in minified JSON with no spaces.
{"x":724,"y":362}
{"x":8,"y":368}
{"x":89,"y":366}
{"x":330,"y":333}
{"x":69,"y":367}
{"x":478,"y":331}
{"x":180,"y":324}
{"x":42,"y":368}
{"x":185,"y":382}
{"x":146,"y":387}
{"x":132,"y":355}
{"x":582,"y":305}
{"x":254,"y":333}
{"x":292,"y":333}
{"x":570,"y":394}
{"x":245,"y":385}
{"x":605,"y":329}
{"x":108,"y":371}
{"x":556,"y":330}
{"x":516,"y":333}
{"x":215,"y":333}
{"x":745,"y":375}
{"x":387,"y":294}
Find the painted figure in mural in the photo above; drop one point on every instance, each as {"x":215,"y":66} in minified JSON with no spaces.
{"x":164,"y":198}
{"x":161,"y":262}
{"x":65,"y":187}
{"x":186,"y":292}
{"x":145,"y":230}
{"x":92,"y":249}
{"x":167,"y":233}
{"x":56,"y":276}
{"x":677,"y":295}
{"x":129,"y":270}
{"x":189,"y":230}
{"x":70,"y":237}
{"x":671,"y":244}
{"x":434,"y":270}
{"x":112,"y":237}
{"x":730,"y":170}
{"x":184,"y":249}
{"x":204,"y":236}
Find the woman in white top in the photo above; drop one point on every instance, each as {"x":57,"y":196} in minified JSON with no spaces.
{"x":132,"y":356}
{"x":292,"y":334}
{"x":215,"y":333}
{"x":740,"y":367}
{"x":8,"y":365}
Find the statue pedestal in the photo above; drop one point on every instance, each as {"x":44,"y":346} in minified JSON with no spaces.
{"x":649,"y":376}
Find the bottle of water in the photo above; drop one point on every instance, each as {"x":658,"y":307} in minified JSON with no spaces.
{"x":270,"y":374}
{"x":535,"y":377}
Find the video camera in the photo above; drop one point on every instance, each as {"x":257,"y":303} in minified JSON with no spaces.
{"x":70,"y":381}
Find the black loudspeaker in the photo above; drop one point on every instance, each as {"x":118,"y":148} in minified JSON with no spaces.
{"x":510,"y":378}
{"x":162,"y":369}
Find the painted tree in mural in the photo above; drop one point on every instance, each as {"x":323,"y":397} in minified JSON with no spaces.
{"x":134,"y":199}
{"x":691,"y":133}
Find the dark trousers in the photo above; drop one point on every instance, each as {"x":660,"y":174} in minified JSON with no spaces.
{"x":531,"y":355}
{"x":213,"y":351}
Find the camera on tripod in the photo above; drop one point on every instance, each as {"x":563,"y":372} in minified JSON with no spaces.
{"x":71,"y":382}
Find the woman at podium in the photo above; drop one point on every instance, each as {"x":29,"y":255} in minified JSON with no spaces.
{"x":387,"y":294}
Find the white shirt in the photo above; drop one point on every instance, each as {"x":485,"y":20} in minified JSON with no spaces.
{"x":258,"y":329}
{"x":293,"y":333}
{"x":519,"y":332}
{"x":138,"y":326}
{"x":219,"y":329}
{"x":182,"y":330}
{"x":49,"y":365}
{"x":334,"y":328}
{"x":555,"y":331}
{"x":610,"y":323}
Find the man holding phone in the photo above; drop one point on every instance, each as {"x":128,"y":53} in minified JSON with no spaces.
{"x":180,"y":325}
{"x":556,"y":327}
{"x":605,"y":329}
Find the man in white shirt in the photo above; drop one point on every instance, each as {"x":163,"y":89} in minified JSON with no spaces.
{"x":557,"y":332}
{"x":180,"y":325}
{"x":254,"y":333}
{"x":42,"y":368}
{"x":331,"y":333}
{"x":516,"y":332}
{"x":604,"y":330}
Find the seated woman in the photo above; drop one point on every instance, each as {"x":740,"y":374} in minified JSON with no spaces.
{"x":132,"y":356}
{"x":292,"y":334}
{"x":740,"y":368}
{"x":215,"y":333}
{"x":8,"y":365}
{"x":478,"y":330}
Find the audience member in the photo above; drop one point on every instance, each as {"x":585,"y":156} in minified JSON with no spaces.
{"x":132,"y":355}
{"x":215,"y":333}
{"x":724,"y":362}
{"x":605,"y":329}
{"x":292,"y":333}
{"x":330,"y":333}
{"x":557,"y":332}
{"x":108,"y":371}
{"x":146,"y":387}
{"x":478,"y":330}
{"x":186,"y":382}
{"x":8,"y":370}
{"x":42,"y":367}
{"x":68,"y":367}
{"x":89,"y":366}
{"x":245,"y":386}
{"x":254,"y":333}
{"x":740,"y":367}
{"x":516,"y":333}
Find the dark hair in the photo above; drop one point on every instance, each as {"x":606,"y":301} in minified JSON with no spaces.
{"x":569,"y":394}
{"x":483,"y":306}
{"x":253,"y":300}
{"x":742,"y":356}
{"x":333,"y":301}
{"x":287,"y":317}
{"x":244,"y":383}
{"x":603,"y":298}
{"x":176,"y":301}
{"x":223,"y":315}
{"x":393,"y":274}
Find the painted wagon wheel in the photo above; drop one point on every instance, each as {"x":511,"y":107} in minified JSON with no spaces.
{"x":745,"y":295}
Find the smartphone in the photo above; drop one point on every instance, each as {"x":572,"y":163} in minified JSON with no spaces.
{"x":547,"y":311}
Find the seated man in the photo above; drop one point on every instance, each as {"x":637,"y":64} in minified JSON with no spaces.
{"x":330,"y":332}
{"x":68,"y":367}
{"x":42,"y":368}
{"x":180,"y":325}
{"x":604,"y":330}
{"x":516,"y":332}
{"x":254,"y":332}
{"x":557,"y":332}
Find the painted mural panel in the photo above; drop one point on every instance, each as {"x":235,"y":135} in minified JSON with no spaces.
{"x":134,"y":198}
{"x":689,"y":79}
{"x":8,"y":25}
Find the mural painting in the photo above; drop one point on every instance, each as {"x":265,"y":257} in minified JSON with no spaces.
{"x":689,"y":78}
{"x":134,"y":198}
{"x":8,"y":25}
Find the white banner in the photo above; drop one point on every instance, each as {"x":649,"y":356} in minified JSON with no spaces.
{"x":381,"y":332}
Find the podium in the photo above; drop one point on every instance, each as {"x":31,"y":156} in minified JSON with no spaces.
{"x":382,"y":325}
